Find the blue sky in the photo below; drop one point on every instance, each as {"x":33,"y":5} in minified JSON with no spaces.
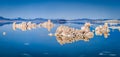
{"x":67,"y":9}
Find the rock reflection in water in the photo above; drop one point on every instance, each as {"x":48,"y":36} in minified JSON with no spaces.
{"x":29,"y":25}
{"x":24,"y":26}
{"x":49,"y":25}
{"x":115,"y":27}
{"x":65,"y":34}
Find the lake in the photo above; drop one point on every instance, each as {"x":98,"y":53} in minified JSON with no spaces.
{"x":46,"y":39}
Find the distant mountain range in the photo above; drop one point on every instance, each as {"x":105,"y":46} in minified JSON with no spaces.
{"x":23,"y":19}
{"x":4,"y":20}
{"x":19,"y":19}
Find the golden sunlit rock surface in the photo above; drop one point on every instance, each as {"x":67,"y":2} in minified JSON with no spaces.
{"x":102,"y":30}
{"x":65,"y":34}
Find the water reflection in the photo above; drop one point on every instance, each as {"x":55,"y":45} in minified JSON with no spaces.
{"x":24,"y":26}
{"x":115,"y":27}
{"x":29,"y":25}
{"x":49,"y":25}
{"x":65,"y":34}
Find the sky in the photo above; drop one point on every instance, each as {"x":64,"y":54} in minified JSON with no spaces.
{"x":67,"y":9}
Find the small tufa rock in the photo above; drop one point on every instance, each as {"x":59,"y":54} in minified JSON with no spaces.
{"x":4,"y":33}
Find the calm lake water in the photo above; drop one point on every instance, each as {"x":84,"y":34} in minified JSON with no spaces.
{"x":37,"y":43}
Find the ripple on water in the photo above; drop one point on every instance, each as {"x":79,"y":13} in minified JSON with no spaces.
{"x":26,"y":55}
{"x":107,"y":53}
